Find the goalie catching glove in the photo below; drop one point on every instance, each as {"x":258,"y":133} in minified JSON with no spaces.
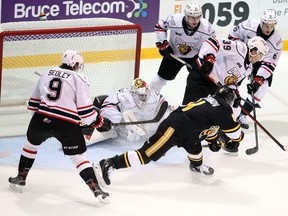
{"x":101,"y":124}
{"x":164,"y":49}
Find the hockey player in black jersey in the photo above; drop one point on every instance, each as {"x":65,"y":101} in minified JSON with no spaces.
{"x":185,"y":127}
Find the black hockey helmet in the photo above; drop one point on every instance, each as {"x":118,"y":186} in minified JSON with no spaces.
{"x":226,"y":93}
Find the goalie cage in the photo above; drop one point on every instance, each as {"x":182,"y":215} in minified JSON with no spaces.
{"x":110,"y":47}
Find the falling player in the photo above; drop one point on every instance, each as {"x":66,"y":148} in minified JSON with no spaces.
{"x":185,"y":127}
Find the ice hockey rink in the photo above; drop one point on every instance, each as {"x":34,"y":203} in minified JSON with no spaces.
{"x":250,"y":185}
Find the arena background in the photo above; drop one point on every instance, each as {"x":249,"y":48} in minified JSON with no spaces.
{"x":224,"y":15}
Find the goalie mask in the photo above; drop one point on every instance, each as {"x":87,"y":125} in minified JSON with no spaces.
{"x":73,"y":59}
{"x":227,"y":94}
{"x":140,"y":91}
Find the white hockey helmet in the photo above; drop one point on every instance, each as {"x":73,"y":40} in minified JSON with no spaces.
{"x":192,"y":9}
{"x":269,"y":17}
{"x":140,"y":90}
{"x":71,"y":58}
{"x":259,"y":45}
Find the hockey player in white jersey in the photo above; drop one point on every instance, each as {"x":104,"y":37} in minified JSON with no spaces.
{"x":134,"y":103}
{"x":186,"y":33}
{"x":225,"y":61}
{"x":263,"y":70}
{"x":60,"y":102}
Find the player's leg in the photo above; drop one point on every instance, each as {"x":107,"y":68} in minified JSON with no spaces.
{"x":73,"y":145}
{"x":35,"y":136}
{"x":168,"y":70}
{"x":195,"y":157}
{"x":153,"y":149}
{"x":196,"y":87}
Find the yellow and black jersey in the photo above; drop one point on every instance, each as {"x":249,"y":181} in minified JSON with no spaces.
{"x":190,"y":120}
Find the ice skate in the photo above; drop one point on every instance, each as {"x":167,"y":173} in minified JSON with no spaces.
{"x":242,"y":119}
{"x":103,"y":170}
{"x":203,"y":169}
{"x":231,"y":148}
{"x":17,"y":183}
{"x":98,"y":192}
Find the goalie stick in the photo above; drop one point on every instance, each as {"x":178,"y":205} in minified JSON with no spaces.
{"x":216,"y":81}
{"x":157,"y":118}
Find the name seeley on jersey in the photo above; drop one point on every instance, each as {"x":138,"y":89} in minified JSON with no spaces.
{"x":59,"y":74}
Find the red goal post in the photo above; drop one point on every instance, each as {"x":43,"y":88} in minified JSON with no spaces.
{"x":110,"y":47}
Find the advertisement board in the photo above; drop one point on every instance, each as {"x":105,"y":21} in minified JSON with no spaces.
{"x":143,"y":12}
{"x":224,"y":15}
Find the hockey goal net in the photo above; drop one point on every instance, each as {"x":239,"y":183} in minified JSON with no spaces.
{"x":110,"y":47}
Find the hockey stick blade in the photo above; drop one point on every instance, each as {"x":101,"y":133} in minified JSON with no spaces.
{"x":252,"y":150}
{"x":157,"y":118}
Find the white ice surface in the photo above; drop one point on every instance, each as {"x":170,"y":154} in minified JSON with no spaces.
{"x":254,"y":185}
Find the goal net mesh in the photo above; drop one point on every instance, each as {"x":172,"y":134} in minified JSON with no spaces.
{"x":110,"y":48}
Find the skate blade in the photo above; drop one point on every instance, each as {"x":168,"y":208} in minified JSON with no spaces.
{"x":18,"y":188}
{"x":233,"y":154}
{"x":98,"y":173}
{"x":105,"y":200}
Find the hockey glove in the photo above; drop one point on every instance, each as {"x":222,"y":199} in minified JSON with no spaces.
{"x":102,"y":124}
{"x":213,"y":143}
{"x":214,"y":146}
{"x":164,"y":49}
{"x":237,"y":100}
{"x":255,"y":84}
{"x":207,"y":64}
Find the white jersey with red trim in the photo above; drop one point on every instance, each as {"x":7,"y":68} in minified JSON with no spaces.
{"x":63,"y":94}
{"x":231,"y":65}
{"x":121,"y":101}
{"x":185,"y":43}
{"x":250,"y":28}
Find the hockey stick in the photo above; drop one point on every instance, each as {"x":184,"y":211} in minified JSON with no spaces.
{"x":157,"y":118}
{"x":181,"y":61}
{"x":254,"y":149}
{"x":256,"y":122}
{"x":284,"y":148}
{"x":216,"y":81}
